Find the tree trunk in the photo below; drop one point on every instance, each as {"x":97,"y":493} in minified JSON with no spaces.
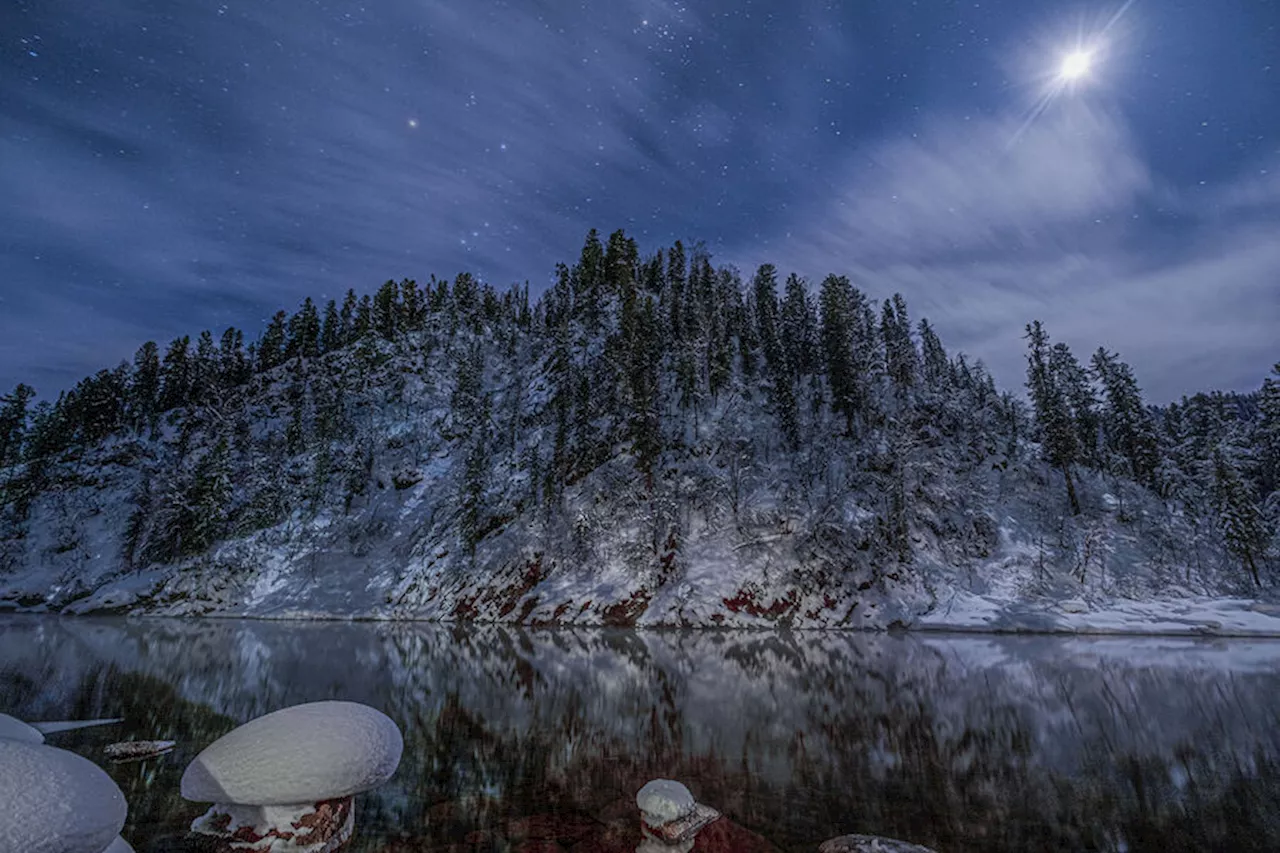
{"x":1071,"y":490}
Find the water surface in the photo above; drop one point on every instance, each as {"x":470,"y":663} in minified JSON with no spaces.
{"x":962,"y":743}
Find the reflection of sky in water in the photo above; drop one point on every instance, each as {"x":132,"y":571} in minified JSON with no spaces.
{"x":968,"y":743}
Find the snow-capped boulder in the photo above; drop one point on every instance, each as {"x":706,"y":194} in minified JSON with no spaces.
{"x":1074,"y":605}
{"x":118,"y":846}
{"x":287,"y":779}
{"x":12,"y":728}
{"x":56,"y":802}
{"x":669,"y":813}
{"x":663,"y":800}
{"x":303,"y":754}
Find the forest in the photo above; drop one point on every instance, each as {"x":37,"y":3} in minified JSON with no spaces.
{"x":684,"y":384}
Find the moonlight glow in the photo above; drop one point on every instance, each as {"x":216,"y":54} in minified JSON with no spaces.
{"x":1075,"y":65}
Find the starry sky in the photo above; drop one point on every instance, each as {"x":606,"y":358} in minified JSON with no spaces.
{"x":169,"y":167}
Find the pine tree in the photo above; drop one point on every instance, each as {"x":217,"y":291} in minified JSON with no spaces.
{"x":204,"y":368}
{"x":836,"y":301}
{"x":1268,"y":432}
{"x":1129,"y":431}
{"x":799,"y":328}
{"x":175,"y":375}
{"x":764,"y":304}
{"x":271,"y":346}
{"x":144,"y":389}
{"x":899,"y":350}
{"x":13,"y":423}
{"x":203,"y":516}
{"x":347,"y":319}
{"x":303,"y":332}
{"x":1073,"y":382}
{"x":331,"y":330}
{"x":1057,"y":430}
{"x":386,"y":310}
{"x":934,"y":361}
{"x":1239,"y":518}
{"x":233,"y":365}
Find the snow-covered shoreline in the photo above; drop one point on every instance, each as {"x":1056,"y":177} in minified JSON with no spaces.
{"x":1209,"y":617}
{"x":966,"y":614}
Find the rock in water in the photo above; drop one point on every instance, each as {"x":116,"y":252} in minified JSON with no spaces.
{"x":14,"y":729}
{"x":870,"y":844}
{"x":668,"y":812}
{"x":56,"y":802}
{"x":137,"y":750}
{"x":663,"y":800}
{"x":285,"y":781}
{"x":315,"y":828}
{"x":299,"y":755}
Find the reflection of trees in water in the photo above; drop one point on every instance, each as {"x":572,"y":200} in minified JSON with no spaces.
{"x":797,"y":740}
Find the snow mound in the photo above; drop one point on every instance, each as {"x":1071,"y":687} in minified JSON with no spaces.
{"x":56,"y":802}
{"x":303,"y":754}
{"x":11,"y":728}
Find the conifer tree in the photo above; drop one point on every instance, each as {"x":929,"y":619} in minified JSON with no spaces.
{"x":934,"y":361}
{"x":271,"y":346}
{"x":799,"y":328}
{"x":144,"y":389}
{"x":836,"y":302}
{"x":899,"y":350}
{"x":386,"y":310}
{"x":1239,"y":518}
{"x":347,"y":318}
{"x":1269,"y":433}
{"x":175,"y":375}
{"x":1082,"y":404}
{"x":1130,"y":434}
{"x":1057,"y":430}
{"x":362,"y":324}
{"x":331,"y":328}
{"x":13,"y":423}
{"x":233,"y":365}
{"x":204,"y":368}
{"x":303,"y":332}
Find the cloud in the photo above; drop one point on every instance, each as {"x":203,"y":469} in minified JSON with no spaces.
{"x":1068,"y":226}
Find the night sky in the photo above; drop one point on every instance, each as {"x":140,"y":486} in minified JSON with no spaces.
{"x":167,"y":167}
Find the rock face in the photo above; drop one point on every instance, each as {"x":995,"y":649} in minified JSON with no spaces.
{"x":870,"y":844}
{"x":56,"y":802}
{"x":299,"y":755}
{"x":318,"y":828}
{"x":12,"y":728}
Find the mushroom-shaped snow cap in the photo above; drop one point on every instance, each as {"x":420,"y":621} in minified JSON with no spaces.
{"x":14,"y":729}
{"x":664,"y":800}
{"x":54,"y":801}
{"x":303,"y":754}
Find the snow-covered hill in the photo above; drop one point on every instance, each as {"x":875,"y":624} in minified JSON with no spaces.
{"x":651,"y":443}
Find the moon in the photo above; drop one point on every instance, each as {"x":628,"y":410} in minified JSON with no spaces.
{"x":1075,"y":65}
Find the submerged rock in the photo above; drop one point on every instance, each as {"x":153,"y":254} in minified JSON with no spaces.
{"x":870,"y":844}
{"x":137,"y":750}
{"x":57,"y":802}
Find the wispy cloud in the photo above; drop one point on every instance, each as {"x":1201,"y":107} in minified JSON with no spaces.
{"x":1068,"y":226}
